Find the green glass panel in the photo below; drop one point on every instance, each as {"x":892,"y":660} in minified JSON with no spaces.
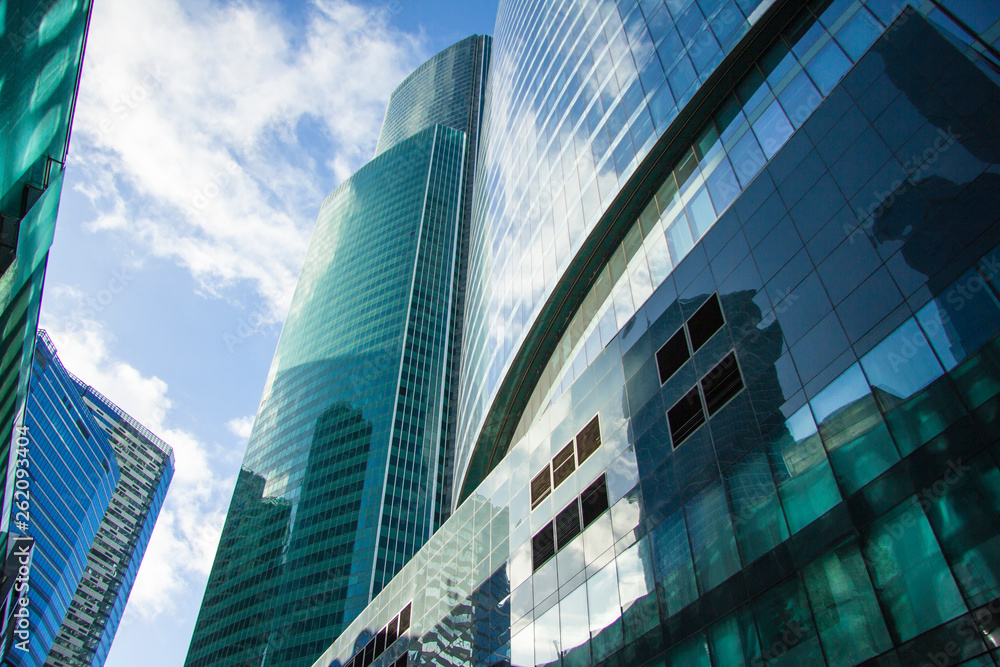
{"x":712,"y":540}
{"x":692,"y":652}
{"x":910,"y":575}
{"x":637,"y":590}
{"x":963,"y":508}
{"x":734,"y":640}
{"x":851,"y":627}
{"x":757,"y":516}
{"x":852,"y":431}
{"x":924,"y":416}
{"x":978,"y":379}
{"x":806,"y":484}
{"x":787,"y":635}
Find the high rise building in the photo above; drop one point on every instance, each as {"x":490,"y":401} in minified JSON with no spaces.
{"x":72,"y":472}
{"x":146,"y":466}
{"x":730,"y":371}
{"x":41,"y":51}
{"x":347,"y":470}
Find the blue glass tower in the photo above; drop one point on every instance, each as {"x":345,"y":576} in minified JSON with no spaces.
{"x":146,"y":466}
{"x":730,"y":384}
{"x":73,"y":475}
{"x":347,"y":471}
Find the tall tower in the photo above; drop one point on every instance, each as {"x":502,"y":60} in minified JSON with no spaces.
{"x":146,"y":466}
{"x":349,"y":452}
{"x":41,"y":53}
{"x":72,"y":475}
{"x":729,"y":390}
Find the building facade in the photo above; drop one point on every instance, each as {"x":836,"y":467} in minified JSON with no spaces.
{"x":72,"y":475}
{"x":41,"y":52}
{"x":347,"y":471}
{"x":730,"y":379}
{"x":146,"y":466}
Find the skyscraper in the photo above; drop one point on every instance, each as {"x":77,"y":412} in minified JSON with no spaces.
{"x":41,"y":52}
{"x":729,"y":386}
{"x":347,"y":470}
{"x":72,"y":475}
{"x":146,"y":466}
{"x":95,"y":484}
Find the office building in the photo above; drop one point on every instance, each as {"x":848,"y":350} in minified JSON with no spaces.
{"x":72,"y":475}
{"x":146,"y":466}
{"x":41,"y":51}
{"x":347,"y":471}
{"x":730,"y":379}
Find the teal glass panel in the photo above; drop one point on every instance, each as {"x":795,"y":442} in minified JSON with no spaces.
{"x":757,"y":517}
{"x":673,"y":564}
{"x":712,"y":541}
{"x":978,"y":378}
{"x":851,"y":427}
{"x":692,"y":652}
{"x":787,"y":635}
{"x":963,"y":508}
{"x":909,"y":573}
{"x":850,"y":624}
{"x":734,"y":640}
{"x":902,"y":371}
{"x":806,"y":484}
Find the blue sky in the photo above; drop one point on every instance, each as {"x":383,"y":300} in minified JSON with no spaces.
{"x":206,"y":135}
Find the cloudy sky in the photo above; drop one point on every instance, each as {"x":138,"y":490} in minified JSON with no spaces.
{"x":206,"y":135}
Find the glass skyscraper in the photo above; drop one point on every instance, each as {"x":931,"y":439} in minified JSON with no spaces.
{"x":146,"y":466}
{"x":41,"y":51}
{"x":730,"y":371}
{"x":347,"y":470}
{"x":72,"y":476}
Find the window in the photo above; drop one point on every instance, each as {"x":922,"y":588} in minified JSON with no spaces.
{"x":563,"y":465}
{"x":568,"y":523}
{"x":722,"y":383}
{"x":672,"y":355}
{"x":543,"y":546}
{"x":705,"y":322}
{"x":588,"y":440}
{"x":685,"y":417}
{"x":541,"y":487}
{"x":595,"y":500}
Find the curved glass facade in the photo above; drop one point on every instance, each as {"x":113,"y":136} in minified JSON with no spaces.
{"x":73,"y":475}
{"x":798,"y":460}
{"x":445,"y":90}
{"x":338,"y":482}
{"x":146,"y":466}
{"x":579,"y":91}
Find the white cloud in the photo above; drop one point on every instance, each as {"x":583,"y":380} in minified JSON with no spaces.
{"x":187,"y":531}
{"x":241,"y":426}
{"x":209,"y":133}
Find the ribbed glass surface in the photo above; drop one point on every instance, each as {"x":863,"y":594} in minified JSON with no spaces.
{"x":146,"y":466}
{"x":579,"y":91}
{"x":41,"y":45}
{"x":439,"y":92}
{"x":73,"y":477}
{"x":338,"y":482}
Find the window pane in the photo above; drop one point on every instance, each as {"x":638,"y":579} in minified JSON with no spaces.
{"x":547,"y":637}
{"x":910,"y":575}
{"x":772,"y":129}
{"x":712,"y":539}
{"x":787,"y":635}
{"x":734,"y":640}
{"x":805,"y":480}
{"x":847,"y":615}
{"x":758,"y":520}
{"x":672,"y":563}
